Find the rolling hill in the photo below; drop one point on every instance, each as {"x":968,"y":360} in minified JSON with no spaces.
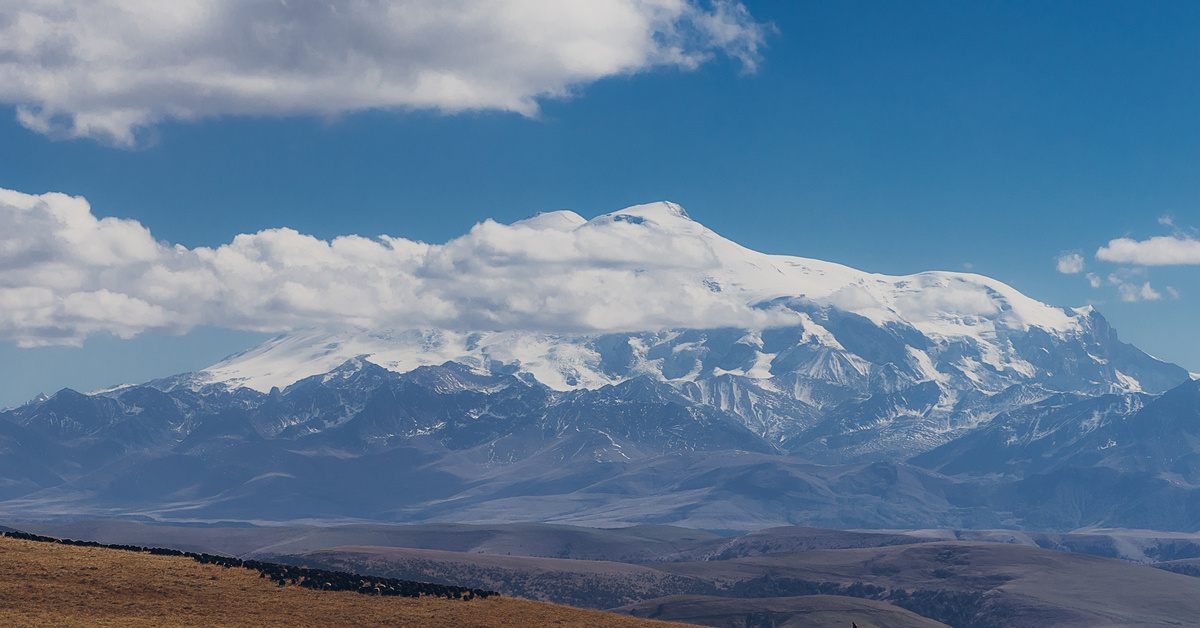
{"x":47,"y":584}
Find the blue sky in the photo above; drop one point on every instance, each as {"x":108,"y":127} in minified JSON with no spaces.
{"x":893,"y":137}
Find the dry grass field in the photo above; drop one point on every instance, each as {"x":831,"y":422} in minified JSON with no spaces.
{"x":47,"y":584}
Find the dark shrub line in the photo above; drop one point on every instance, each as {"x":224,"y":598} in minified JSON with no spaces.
{"x":318,"y":579}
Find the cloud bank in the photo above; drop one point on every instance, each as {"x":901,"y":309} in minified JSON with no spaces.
{"x":106,"y":68}
{"x":1157,"y":251}
{"x":66,"y":274}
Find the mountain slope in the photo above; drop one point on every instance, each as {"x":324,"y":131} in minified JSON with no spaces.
{"x":806,"y":414}
{"x":889,"y":366}
{"x":968,"y":325}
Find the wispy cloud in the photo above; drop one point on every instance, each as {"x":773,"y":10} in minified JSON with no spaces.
{"x":1132,"y":292}
{"x":106,"y":68}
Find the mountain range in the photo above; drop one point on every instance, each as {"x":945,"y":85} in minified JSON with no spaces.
{"x":847,"y":399}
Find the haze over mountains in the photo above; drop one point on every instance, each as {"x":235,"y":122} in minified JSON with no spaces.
{"x":816,"y":394}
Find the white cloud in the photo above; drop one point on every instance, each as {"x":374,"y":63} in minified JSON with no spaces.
{"x":1094,"y":280}
{"x":1131,"y":292}
{"x":1070,"y":263}
{"x":1157,"y":251}
{"x":853,"y":298}
{"x":106,"y":68}
{"x":65,"y":274}
{"x":955,"y":298}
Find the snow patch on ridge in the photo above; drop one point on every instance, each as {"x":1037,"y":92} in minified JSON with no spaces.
{"x":1130,"y":384}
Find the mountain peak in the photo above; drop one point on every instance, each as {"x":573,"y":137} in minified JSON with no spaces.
{"x":660,"y":210}
{"x":663,"y":214}
{"x":561,"y":220}
{"x":580,"y":304}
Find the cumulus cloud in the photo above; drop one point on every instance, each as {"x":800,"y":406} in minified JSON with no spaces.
{"x":1070,"y":263}
{"x":106,"y":68}
{"x":1170,"y":250}
{"x":66,"y":274}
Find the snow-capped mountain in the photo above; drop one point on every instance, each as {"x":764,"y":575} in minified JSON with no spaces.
{"x":839,"y":398}
{"x":953,"y":312}
{"x":922,"y":355}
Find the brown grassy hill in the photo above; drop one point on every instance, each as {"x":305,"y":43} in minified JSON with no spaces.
{"x":46,"y":584}
{"x":809,"y":611}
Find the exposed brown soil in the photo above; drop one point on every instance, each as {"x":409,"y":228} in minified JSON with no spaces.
{"x":47,"y":584}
